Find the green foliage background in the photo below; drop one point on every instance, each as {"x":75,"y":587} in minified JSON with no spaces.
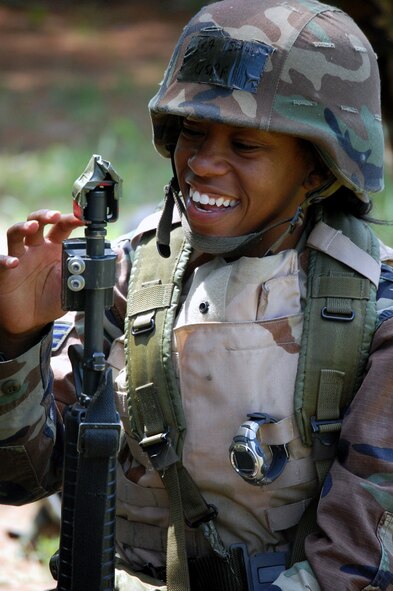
{"x":75,"y":83}
{"x":59,"y":109}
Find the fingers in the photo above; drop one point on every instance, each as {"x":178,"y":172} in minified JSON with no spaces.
{"x":7,"y":262}
{"x":63,"y":227}
{"x":35,"y":235}
{"x":44,"y":215}
{"x":17,"y":235}
{"x":32,"y":232}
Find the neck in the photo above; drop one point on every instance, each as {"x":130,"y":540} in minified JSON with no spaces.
{"x":263,"y":246}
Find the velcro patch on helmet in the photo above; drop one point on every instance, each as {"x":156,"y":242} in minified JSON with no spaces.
{"x":221,"y":60}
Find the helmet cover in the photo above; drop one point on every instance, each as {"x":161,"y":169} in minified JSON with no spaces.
{"x":296,"y":67}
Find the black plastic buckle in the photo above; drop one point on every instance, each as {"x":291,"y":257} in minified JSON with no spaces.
{"x":324,"y":442}
{"x":205,"y":518}
{"x":340,"y":317}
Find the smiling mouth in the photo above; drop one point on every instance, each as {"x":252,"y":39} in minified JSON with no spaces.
{"x":206,"y":202}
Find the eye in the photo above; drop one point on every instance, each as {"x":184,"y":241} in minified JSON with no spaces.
{"x":245,"y":146}
{"x":191,"y":131}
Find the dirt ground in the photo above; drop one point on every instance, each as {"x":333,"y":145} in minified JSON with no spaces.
{"x":39,"y":50}
{"x":17,"y":571}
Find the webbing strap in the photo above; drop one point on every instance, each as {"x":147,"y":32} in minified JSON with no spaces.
{"x":329,"y":397}
{"x":153,"y":297}
{"x":195,"y":508}
{"x":164,"y":459}
{"x":210,"y":574}
{"x":176,"y":558}
{"x":307,"y":526}
{"x":332,"y":241}
{"x":155,"y":408}
{"x":95,"y":492}
{"x":339,"y":322}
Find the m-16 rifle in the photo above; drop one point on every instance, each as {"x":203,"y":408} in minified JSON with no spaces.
{"x":92,"y":427}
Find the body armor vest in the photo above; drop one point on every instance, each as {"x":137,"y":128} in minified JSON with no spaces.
{"x":246,"y":339}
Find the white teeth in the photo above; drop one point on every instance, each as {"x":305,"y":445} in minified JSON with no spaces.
{"x":204,"y":199}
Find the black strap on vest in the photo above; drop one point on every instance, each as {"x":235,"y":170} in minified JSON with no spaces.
{"x":94,"y":513}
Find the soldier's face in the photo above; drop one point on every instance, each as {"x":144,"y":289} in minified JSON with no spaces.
{"x":236,"y":180}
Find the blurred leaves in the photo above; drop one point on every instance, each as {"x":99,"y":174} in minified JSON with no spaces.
{"x":75,"y":81}
{"x":44,"y":178}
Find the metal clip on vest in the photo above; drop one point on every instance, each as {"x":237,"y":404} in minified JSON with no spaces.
{"x":92,"y":425}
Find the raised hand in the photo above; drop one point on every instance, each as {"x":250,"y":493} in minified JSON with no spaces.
{"x":30,"y":275}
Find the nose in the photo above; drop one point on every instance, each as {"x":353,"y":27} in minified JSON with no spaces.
{"x":209,"y":158}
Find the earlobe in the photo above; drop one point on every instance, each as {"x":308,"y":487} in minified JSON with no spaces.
{"x":317,"y":177}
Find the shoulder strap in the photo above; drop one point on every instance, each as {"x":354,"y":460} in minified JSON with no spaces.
{"x":340,"y":320}
{"x":154,"y":401}
{"x":153,"y":297}
{"x":339,"y":323}
{"x":155,"y":411}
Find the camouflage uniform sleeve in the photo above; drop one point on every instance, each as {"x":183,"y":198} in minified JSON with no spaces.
{"x":34,"y":390}
{"x":356,"y":506}
{"x":354,"y":549}
{"x":26,"y":410}
{"x":385,"y":293}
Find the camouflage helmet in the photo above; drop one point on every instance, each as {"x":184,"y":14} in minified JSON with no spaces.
{"x":296,"y":67}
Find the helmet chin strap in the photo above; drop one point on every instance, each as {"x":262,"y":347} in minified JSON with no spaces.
{"x":231,"y":245}
{"x":163,"y":233}
{"x":238,"y":245}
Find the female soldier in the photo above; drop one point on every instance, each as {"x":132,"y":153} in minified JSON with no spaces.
{"x":270,"y":113}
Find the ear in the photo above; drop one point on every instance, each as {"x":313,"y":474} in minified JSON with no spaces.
{"x":317,"y":175}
